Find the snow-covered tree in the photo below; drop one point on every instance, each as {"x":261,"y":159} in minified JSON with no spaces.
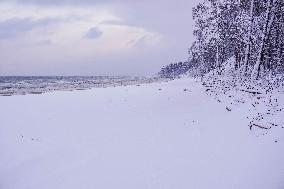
{"x":249,"y":30}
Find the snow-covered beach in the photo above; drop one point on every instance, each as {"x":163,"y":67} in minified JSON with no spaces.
{"x":159,"y":135}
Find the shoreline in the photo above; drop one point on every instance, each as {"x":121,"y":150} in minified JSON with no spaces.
{"x":85,"y":84}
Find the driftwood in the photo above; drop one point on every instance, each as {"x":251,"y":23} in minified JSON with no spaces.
{"x":228,"y":109}
{"x":259,"y":126}
{"x":35,"y":92}
{"x":252,"y":92}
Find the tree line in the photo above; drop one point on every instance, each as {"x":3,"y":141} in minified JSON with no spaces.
{"x":251,"y":31}
{"x":175,"y":69}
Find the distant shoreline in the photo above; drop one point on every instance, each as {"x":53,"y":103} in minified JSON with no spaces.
{"x":23,"y":85}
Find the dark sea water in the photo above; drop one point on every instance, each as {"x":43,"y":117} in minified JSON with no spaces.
{"x":21,"y":85}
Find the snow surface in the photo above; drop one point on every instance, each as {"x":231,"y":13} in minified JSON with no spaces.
{"x":167,"y":135}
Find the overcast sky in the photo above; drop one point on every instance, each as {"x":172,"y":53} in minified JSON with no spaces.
{"x":93,"y":37}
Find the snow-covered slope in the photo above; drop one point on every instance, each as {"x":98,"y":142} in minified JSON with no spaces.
{"x":167,"y":135}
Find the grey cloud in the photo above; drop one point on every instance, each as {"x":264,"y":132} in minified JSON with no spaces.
{"x":43,"y":42}
{"x":140,"y":43}
{"x":16,"y":26}
{"x":100,"y":2}
{"x":56,"y":2}
{"x":93,"y":33}
{"x":171,"y":18}
{"x":113,"y":22}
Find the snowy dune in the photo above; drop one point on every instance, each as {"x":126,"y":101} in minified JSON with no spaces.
{"x":156,"y":136}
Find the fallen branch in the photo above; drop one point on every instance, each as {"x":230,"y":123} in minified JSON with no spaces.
{"x":252,"y":92}
{"x":259,"y":126}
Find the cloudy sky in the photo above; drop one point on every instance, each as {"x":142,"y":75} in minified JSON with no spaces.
{"x":93,"y":37}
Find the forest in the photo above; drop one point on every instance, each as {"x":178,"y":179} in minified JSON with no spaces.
{"x":247,"y":33}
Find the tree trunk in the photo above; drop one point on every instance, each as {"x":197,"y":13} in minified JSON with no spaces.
{"x":268,"y":23}
{"x":218,"y":64}
{"x":247,"y":52}
{"x":279,"y":46}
